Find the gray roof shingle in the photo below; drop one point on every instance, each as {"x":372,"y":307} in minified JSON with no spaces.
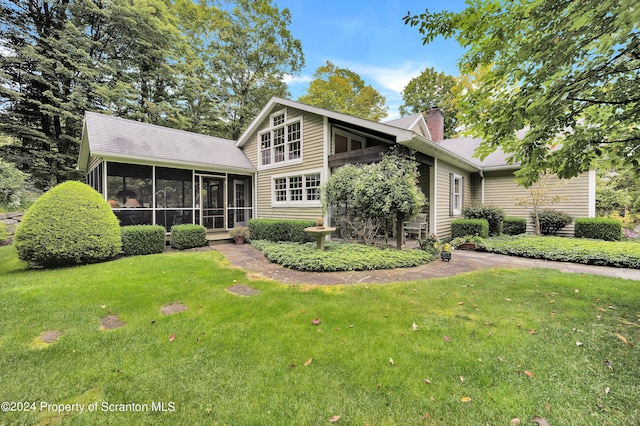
{"x":118,"y":137}
{"x":465,"y":148}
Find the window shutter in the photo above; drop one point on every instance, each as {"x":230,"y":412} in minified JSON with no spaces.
{"x":451,"y":193}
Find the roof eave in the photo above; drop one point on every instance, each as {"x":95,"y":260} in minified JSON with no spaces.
{"x":428,"y":147}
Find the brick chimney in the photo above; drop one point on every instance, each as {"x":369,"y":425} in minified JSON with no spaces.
{"x":435,"y":123}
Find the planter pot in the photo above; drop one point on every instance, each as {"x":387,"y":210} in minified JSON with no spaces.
{"x":239,"y":240}
{"x":445,"y":256}
{"x":467,"y":246}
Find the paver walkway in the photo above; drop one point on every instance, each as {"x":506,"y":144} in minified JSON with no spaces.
{"x":251,"y":260}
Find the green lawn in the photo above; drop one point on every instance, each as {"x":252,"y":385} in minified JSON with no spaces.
{"x":517,"y":343}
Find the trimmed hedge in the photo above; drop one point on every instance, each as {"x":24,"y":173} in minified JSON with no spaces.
{"x":514,"y":225}
{"x":339,"y":256}
{"x":71,"y":224}
{"x":598,"y":228}
{"x":621,"y":254}
{"x":473,"y":227}
{"x":188,"y":236}
{"x":493,"y":215}
{"x":276,"y":230}
{"x":142,"y":239}
{"x":552,"y":221}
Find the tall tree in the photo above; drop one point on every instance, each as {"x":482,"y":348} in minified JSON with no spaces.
{"x":432,"y":88}
{"x":251,"y":53}
{"x":568,"y":71}
{"x":342,"y":90}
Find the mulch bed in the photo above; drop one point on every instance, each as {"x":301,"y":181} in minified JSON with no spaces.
{"x":111,"y":322}
{"x":50,"y":336}
{"x":173,"y":308}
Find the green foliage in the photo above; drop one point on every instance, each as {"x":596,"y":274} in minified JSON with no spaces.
{"x":188,"y":236}
{"x":572,"y":88}
{"x":469,"y":227}
{"x":240,"y":231}
{"x":609,"y":199}
{"x":15,"y":191}
{"x":621,"y":254}
{"x":68,"y":225}
{"x":275,"y":230}
{"x":477,"y":240}
{"x":429,"y":89}
{"x":598,"y":228}
{"x":342,"y":90}
{"x":427,"y":243}
{"x":339,"y":256}
{"x":514,"y":225}
{"x":493,"y":214}
{"x":142,"y":239}
{"x":552,"y":221}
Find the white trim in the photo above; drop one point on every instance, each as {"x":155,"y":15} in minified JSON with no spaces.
{"x":592,"y":193}
{"x":288,"y":121}
{"x":457,"y":211}
{"x":326,"y":149}
{"x":433,"y":203}
{"x":304,"y":202}
{"x":350,"y":137}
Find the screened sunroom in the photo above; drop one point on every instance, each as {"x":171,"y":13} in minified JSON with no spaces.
{"x":155,"y":175}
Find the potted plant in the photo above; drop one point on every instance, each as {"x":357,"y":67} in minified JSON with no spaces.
{"x":445,"y":250}
{"x":239,"y":234}
{"x":468,"y":242}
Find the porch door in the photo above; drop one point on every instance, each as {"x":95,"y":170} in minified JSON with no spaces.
{"x":212,"y":202}
{"x":240,"y":195}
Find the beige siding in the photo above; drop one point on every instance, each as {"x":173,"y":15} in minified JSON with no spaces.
{"x":501,"y":189}
{"x":313,"y":159}
{"x":443,"y":218}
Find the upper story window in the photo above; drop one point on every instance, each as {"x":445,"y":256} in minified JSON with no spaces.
{"x":282,"y":142}
{"x":346,"y":142}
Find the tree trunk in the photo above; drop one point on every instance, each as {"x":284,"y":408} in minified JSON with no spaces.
{"x":399,"y":230}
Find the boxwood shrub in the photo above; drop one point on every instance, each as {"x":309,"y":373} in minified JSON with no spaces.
{"x":275,"y":230}
{"x":598,"y":228}
{"x":473,"y":227}
{"x":188,"y":236}
{"x":142,"y":239}
{"x":552,"y":221}
{"x":70,"y":224}
{"x":514,"y":225}
{"x":494,"y":216}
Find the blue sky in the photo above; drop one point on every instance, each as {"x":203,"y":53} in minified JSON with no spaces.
{"x":370,"y":38}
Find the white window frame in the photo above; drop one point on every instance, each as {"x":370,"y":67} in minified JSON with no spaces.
{"x":456,"y":203}
{"x":283,"y":126}
{"x":350,"y":137}
{"x":291,"y":190}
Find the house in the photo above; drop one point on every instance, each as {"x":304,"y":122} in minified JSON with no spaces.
{"x":279,"y":163}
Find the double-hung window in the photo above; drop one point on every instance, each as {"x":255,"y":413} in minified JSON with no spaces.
{"x":281,"y":143}
{"x":302,"y":189}
{"x":456,"y":194}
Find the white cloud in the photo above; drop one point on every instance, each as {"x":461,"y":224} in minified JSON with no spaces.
{"x":296,"y":79}
{"x":393,"y":78}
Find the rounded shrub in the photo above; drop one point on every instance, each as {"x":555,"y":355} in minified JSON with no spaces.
{"x":552,"y":221}
{"x":188,"y":236}
{"x":514,"y":225}
{"x":469,"y":227}
{"x":71,"y":224}
{"x":142,"y":239}
{"x":598,"y":228}
{"x":493,"y":215}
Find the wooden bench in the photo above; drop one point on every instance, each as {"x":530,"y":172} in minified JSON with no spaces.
{"x":417,"y":225}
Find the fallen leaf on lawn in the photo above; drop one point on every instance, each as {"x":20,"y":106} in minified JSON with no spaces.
{"x":315,"y":321}
{"x":414,"y":326}
{"x":447,"y":338}
{"x":460,"y":303}
{"x":578,"y":343}
{"x":547,"y":407}
{"x":607,"y":390}
{"x":427,"y":381}
{"x":307,"y":362}
{"x":465,"y":399}
{"x":531,"y":331}
{"x":602,"y":310}
{"x":625,"y":322}
{"x":461,"y":379}
{"x":507,"y":299}
{"x":552,"y":301}
{"x":540,"y":420}
{"x":553,"y":314}
{"x":514,"y":422}
{"x":292,"y":366}
{"x":622,"y":338}
{"x":528,"y":373}
{"x":391,"y":361}
{"x":500,"y":359}
{"x":608,"y":364}
{"x":172,"y":337}
{"x":600,"y":404}
{"x":334,"y":419}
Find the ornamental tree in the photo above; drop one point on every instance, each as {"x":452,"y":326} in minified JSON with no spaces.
{"x":388,"y":189}
{"x":566,"y":71}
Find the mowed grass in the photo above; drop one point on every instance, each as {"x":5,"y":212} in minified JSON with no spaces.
{"x":517,"y":343}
